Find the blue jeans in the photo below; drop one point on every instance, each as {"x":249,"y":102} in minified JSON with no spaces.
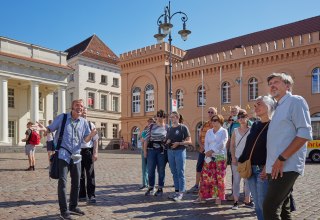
{"x":177,"y":162}
{"x":144,"y":169}
{"x":156,"y":159}
{"x":258,"y":188}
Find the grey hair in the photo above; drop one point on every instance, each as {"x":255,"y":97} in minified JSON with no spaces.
{"x":270,"y":103}
{"x":286,"y":78}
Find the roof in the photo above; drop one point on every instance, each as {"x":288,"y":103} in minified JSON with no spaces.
{"x":288,"y":30}
{"x":93,"y":48}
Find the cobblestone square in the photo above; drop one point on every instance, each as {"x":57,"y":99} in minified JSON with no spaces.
{"x":32,"y":195}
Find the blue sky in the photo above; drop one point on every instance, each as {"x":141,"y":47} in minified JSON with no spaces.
{"x":125,"y":25}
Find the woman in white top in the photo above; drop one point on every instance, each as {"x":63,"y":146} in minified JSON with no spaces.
{"x":213,"y":173}
{"x":238,"y":141}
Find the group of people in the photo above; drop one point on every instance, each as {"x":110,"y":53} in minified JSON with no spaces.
{"x":274,"y":142}
{"x":75,"y":140}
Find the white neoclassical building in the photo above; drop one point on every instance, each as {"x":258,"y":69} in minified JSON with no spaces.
{"x":96,"y":80}
{"x":29,"y":75}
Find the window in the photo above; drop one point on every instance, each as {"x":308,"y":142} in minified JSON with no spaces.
{"x":70,"y":98}
{"x":253,"y":89}
{"x":10,"y":98}
{"x":226,"y":94}
{"x":115,"y":104}
{"x":103,"y":102}
{"x":179,"y":97}
{"x":91,"y":77}
{"x":90,"y":100}
{"x":11,"y":129}
{"x":40,"y":102}
{"x":104,"y":79}
{"x":71,"y":77}
{"x":316,"y":80}
{"x":115,"y":128}
{"x":149,"y":98}
{"x":136,"y":100}
{"x":103,"y":130}
{"x":201,"y":96}
{"x":115,"y":82}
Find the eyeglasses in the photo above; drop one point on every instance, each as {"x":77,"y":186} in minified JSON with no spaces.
{"x":215,"y":120}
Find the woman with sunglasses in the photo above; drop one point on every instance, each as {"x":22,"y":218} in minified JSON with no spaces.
{"x":258,"y":183}
{"x":237,"y":143}
{"x":178,"y":136}
{"x":213,"y":173}
{"x":154,"y":151}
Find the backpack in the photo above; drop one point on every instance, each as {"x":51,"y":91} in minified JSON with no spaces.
{"x":34,"y":138}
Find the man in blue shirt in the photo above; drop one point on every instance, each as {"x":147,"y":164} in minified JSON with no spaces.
{"x":75,"y":132}
{"x":288,"y":133}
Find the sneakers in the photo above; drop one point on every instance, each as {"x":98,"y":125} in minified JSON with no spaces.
{"x":76,"y":211}
{"x":194,"y":189}
{"x":235,"y":206}
{"x":143,"y":187}
{"x":65,"y":215}
{"x":172,"y":195}
{"x":199,"y":201}
{"x":178,"y":197}
{"x":150,"y":192}
{"x":92,"y":200}
{"x":159,"y":192}
{"x":249,"y":205}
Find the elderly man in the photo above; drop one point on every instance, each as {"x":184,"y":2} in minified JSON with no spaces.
{"x":205,"y":127}
{"x":288,"y":133}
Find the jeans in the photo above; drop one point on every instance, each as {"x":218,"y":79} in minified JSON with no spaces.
{"x":87,"y":173}
{"x":277,"y":202}
{"x":236,"y":183}
{"x":156,"y":159}
{"x":75,"y":170}
{"x":258,"y":188}
{"x":177,"y":162}
{"x":144,"y":169}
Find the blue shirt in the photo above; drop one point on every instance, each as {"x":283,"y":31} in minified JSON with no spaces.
{"x":74,"y":133}
{"x":291,"y":119}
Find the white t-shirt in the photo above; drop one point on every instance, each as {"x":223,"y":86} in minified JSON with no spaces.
{"x":239,"y":146}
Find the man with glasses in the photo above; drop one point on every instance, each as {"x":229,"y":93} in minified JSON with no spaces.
{"x":205,"y":127}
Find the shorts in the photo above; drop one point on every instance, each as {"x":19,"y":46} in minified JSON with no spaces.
{"x":30,"y":149}
{"x":200,"y":162}
{"x":50,"y":146}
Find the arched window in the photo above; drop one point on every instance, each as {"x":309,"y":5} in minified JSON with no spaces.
{"x":198,"y":128}
{"x":201,"y":96}
{"x":149,"y":98}
{"x":136,"y":100}
{"x":179,"y":97}
{"x":225,"y":92}
{"x":316,"y":80}
{"x":253,"y":89}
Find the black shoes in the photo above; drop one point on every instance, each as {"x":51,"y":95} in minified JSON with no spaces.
{"x":65,"y":215}
{"x":76,"y":211}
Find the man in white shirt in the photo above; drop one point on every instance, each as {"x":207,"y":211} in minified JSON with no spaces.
{"x":89,"y":152}
{"x":288,"y":133}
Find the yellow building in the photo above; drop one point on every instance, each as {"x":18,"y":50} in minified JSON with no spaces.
{"x":234,"y":72}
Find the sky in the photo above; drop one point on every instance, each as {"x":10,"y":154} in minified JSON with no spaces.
{"x":126,"y":25}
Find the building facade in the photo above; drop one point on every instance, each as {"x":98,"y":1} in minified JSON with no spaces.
{"x":97,"y":81}
{"x":223,"y":74}
{"x":29,"y":75}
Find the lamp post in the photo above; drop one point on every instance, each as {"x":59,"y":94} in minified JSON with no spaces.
{"x":165,"y":25}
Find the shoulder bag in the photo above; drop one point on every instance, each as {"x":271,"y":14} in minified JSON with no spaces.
{"x":244,"y":168}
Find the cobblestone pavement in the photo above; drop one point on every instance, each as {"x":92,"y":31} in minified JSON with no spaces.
{"x":32,"y":195}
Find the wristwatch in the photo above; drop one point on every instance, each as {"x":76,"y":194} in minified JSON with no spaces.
{"x":281,"y":158}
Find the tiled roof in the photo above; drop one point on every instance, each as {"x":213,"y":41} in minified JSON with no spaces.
{"x":93,"y":48}
{"x":293,"y":29}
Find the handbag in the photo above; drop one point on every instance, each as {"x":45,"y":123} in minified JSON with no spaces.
{"x":244,"y":168}
{"x":54,"y":159}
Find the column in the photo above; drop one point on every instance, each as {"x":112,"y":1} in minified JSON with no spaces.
{"x":49,"y":106}
{"x":34,"y":107}
{"x":4,"y":110}
{"x":62,"y":99}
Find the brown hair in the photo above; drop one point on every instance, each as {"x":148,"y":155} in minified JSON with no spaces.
{"x":220,"y":118}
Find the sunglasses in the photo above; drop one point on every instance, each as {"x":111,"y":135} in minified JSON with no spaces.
{"x":215,"y":120}
{"x":210,"y":112}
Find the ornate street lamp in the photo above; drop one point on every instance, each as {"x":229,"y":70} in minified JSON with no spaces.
{"x":165,"y":25}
